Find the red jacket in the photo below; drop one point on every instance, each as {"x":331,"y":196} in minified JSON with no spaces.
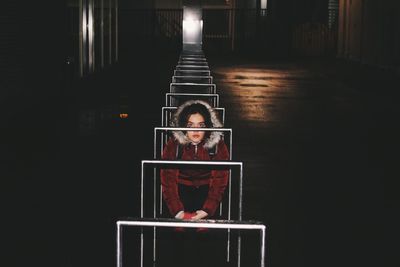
{"x":216,"y":179}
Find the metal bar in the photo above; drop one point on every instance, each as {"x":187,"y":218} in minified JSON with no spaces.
{"x":175,"y":78}
{"x":191,"y":77}
{"x":197,"y":59}
{"x":206,"y":72}
{"x":195,"y":63}
{"x":186,"y":129}
{"x":179,"y":162}
{"x":169,"y":95}
{"x":191,"y":67}
{"x":263,"y":240}
{"x":207,"y":129}
{"x":193,"y":128}
{"x":230,"y":145}
{"x":90,"y":33}
{"x":141,"y":214}
{"x":229,"y":213}
{"x":155,"y":156}
{"x":208,"y":223}
{"x":163,"y":115}
{"x":192,"y":84}
{"x":238,"y":249}
{"x":212,"y":86}
{"x":240,"y":213}
{"x":214,"y":224}
{"x":119,"y":245}
{"x":175,"y":108}
{"x":192,"y":55}
{"x":164,"y":121}
{"x":240,"y":193}
{"x":154,"y":212}
{"x":187,"y":162}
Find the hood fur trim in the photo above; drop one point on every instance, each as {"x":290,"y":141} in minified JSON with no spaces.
{"x":214,"y":137}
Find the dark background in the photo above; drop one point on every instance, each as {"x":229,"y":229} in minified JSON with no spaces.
{"x":64,"y":182}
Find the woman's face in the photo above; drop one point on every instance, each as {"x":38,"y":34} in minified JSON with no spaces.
{"x":196,"y":121}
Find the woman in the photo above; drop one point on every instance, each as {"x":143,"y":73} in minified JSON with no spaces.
{"x":194,"y":193}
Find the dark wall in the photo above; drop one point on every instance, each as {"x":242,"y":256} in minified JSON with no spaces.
{"x":136,"y":3}
{"x":32,"y":83}
{"x":32,"y":72}
{"x":281,"y":19}
{"x":34,"y":52}
{"x":369,"y":32}
{"x":309,"y":11}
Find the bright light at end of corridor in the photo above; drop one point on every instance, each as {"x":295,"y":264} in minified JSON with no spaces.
{"x":192,"y":31}
{"x":190,"y":25}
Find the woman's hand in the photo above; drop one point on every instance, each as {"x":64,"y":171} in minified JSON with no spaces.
{"x":180,"y":215}
{"x":183,"y":215}
{"x":200,"y":214}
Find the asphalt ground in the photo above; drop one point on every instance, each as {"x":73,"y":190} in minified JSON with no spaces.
{"x":318,"y":139}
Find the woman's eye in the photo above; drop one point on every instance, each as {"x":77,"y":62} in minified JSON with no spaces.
{"x":196,"y":125}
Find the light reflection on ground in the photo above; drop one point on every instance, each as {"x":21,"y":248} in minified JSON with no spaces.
{"x":262,"y":87}
{"x":267,"y":93}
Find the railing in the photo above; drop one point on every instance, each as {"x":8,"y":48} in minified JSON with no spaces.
{"x":232,"y":27}
{"x":169,"y":22}
{"x":226,"y":30}
{"x":314,"y":39}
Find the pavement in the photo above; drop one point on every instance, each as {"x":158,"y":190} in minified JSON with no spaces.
{"x":318,"y":139}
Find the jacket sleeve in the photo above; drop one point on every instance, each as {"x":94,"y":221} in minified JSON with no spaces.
{"x":218,"y":182}
{"x":169,"y":178}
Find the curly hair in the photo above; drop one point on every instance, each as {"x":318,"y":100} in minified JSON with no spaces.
{"x":194,"y":109}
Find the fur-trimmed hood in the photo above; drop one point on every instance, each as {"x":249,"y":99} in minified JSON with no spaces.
{"x":213,"y":138}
